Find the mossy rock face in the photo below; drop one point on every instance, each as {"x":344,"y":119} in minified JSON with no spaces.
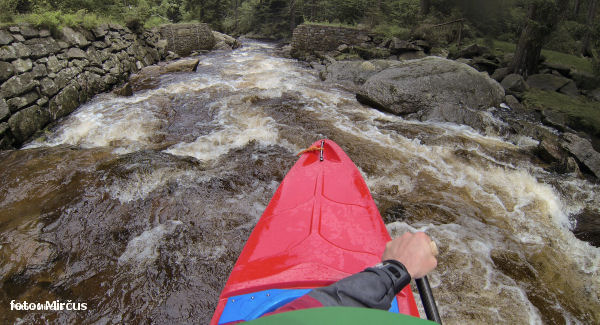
{"x":577,"y":113}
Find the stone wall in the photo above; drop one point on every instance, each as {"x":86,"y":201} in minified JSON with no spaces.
{"x":183,"y":39}
{"x":44,"y":77}
{"x":310,"y":38}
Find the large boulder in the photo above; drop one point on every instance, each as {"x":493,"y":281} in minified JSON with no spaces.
{"x":583,"y":150}
{"x":355,"y":73}
{"x":546,"y":81}
{"x":431,"y":86}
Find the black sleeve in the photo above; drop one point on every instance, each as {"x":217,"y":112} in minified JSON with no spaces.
{"x":371,"y":288}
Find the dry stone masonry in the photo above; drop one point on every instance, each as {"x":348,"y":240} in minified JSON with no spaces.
{"x":43,"y":78}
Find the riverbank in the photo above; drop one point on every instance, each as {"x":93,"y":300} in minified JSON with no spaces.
{"x":559,"y":107}
{"x":46,"y":77}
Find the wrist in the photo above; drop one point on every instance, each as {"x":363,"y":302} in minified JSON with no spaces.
{"x":397,"y":272}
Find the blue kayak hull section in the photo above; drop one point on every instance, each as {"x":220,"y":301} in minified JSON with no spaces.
{"x":253,"y":305}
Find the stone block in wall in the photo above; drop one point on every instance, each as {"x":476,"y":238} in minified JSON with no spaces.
{"x":4,"y":111}
{"x":100,"y":31}
{"x":29,"y":32}
{"x":39,"y":70}
{"x":3,"y":128}
{"x":5,"y":37}
{"x":26,"y":122}
{"x":6,"y":70}
{"x":65,"y":75}
{"x":79,"y":63}
{"x":48,"y":87}
{"x":42,"y":101}
{"x":22,"y":50}
{"x":18,"y":85}
{"x":100,"y":45}
{"x":75,"y":53}
{"x":19,"y":37}
{"x":55,"y":65}
{"x":95,"y":83}
{"x":22,"y":65}
{"x":64,"y":102}
{"x":73,"y":38}
{"x":42,"y":47}
{"x":16,"y":103}
{"x":7,"y":53}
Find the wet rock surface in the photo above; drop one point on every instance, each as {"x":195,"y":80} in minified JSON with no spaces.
{"x":433,"y":88}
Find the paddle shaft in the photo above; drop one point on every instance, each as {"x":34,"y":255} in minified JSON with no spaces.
{"x":427,"y":298}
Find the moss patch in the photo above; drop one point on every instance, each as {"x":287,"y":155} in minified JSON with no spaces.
{"x":569,"y":60}
{"x":582,"y":114}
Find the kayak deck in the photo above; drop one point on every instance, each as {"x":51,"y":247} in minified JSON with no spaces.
{"x":320,"y":226}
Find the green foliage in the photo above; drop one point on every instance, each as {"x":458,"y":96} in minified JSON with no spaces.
{"x":566,"y":37}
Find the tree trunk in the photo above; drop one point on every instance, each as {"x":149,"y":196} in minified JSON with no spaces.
{"x":576,"y":9}
{"x":425,"y":4}
{"x":541,"y":22}
{"x":292,"y":16}
{"x":586,"y":48}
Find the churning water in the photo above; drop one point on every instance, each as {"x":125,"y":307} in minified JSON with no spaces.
{"x":139,"y":206}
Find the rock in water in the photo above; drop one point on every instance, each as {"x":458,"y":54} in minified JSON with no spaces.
{"x":183,"y":65}
{"x":584,"y":152}
{"x":429,"y":85}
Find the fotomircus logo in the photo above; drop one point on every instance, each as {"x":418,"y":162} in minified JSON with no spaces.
{"x":55,"y":305}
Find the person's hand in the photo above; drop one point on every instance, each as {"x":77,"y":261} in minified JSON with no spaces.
{"x":415,"y":251}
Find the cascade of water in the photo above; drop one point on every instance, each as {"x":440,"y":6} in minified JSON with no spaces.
{"x":139,"y":206}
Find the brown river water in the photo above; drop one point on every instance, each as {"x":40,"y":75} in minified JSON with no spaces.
{"x":139,"y":206}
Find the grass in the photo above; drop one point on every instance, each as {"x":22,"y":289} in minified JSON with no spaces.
{"x":569,"y":60}
{"x":392,"y":31}
{"x":55,"y":20}
{"x":583,"y":114}
{"x":333,"y":24}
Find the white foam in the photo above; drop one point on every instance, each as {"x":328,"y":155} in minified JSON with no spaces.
{"x":143,"y":249}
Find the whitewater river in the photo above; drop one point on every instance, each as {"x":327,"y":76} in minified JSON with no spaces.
{"x":139,"y":206}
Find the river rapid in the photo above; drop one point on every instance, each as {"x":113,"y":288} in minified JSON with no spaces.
{"x":139,"y":206}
